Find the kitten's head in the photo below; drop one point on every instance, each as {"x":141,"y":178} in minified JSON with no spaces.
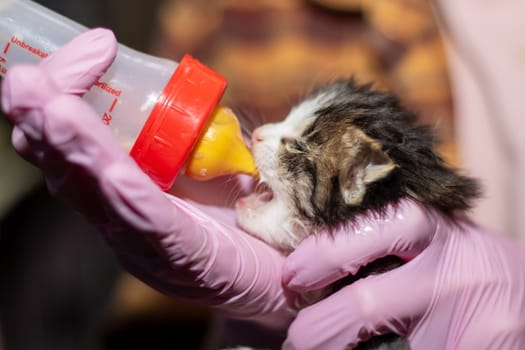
{"x":347,"y":148}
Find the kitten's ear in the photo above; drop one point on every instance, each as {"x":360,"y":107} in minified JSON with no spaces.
{"x":371,"y":165}
{"x":378,"y":166}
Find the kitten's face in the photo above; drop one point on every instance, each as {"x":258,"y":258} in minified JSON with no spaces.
{"x":313,"y":165}
{"x":344,"y":150}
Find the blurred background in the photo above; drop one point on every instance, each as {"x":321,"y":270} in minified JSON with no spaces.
{"x":60,"y":285}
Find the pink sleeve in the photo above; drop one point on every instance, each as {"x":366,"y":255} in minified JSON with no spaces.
{"x":486,"y":51}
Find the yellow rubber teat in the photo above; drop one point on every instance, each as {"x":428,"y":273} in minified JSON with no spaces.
{"x":220,"y":150}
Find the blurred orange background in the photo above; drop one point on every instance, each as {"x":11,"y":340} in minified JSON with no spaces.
{"x":274,"y":52}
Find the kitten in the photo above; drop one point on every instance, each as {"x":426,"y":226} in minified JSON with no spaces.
{"x":344,"y":150}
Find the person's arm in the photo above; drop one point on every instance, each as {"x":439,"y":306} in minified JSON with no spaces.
{"x":460,"y":288}
{"x":485,"y":44}
{"x":183,"y":249}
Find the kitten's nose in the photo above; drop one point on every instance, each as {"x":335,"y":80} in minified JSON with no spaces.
{"x":257,"y":136}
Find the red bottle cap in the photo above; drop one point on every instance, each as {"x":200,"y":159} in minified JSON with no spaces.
{"x":177,"y":120}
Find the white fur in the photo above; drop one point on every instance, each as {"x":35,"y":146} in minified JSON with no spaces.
{"x":273,"y":221}
{"x":269,"y":222}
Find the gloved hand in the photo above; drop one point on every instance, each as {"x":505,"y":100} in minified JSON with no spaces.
{"x":181,"y":248}
{"x":460,"y":288}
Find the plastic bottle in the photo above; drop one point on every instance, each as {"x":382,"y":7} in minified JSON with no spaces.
{"x":157,"y":108}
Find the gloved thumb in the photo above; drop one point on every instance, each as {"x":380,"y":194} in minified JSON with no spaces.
{"x":404,"y":231}
{"x":376,"y":305}
{"x":73,"y":68}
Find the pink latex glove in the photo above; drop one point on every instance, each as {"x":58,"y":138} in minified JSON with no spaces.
{"x":461,"y":287}
{"x":181,"y":248}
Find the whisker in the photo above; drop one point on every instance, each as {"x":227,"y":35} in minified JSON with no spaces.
{"x":233,"y":191}
{"x":249,"y":118}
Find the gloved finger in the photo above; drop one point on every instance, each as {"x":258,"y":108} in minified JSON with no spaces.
{"x":243,"y":271}
{"x":62,"y":130}
{"x":49,"y":119}
{"x":379,"y":304}
{"x":71,"y":69}
{"x":77,"y":65}
{"x":404,"y":231}
{"x":22,"y":147}
{"x":26,"y":88}
{"x":86,"y":143}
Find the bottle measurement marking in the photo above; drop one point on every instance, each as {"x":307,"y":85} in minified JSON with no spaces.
{"x":107,"y":117}
{"x":22,"y":44}
{"x":113,"y":105}
{"x":108,"y":88}
{"x":3,"y":61}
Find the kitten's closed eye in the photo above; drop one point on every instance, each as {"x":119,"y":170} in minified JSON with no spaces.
{"x":293,"y":144}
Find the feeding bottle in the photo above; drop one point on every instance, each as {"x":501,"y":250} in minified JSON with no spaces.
{"x":163,"y":112}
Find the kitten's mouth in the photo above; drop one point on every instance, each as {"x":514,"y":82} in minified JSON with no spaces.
{"x":261,"y":195}
{"x":264,"y":192}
